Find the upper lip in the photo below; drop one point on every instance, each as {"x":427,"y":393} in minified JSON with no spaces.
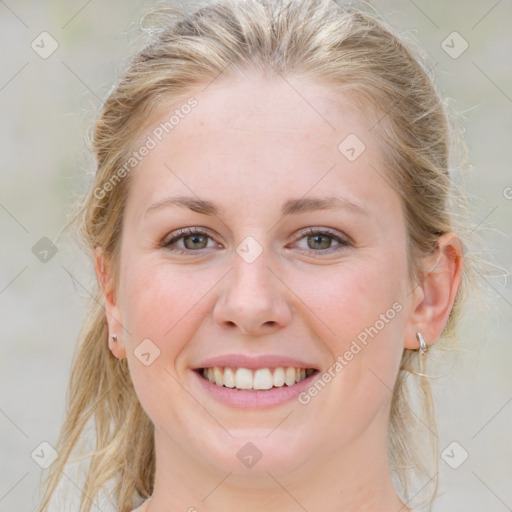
{"x":253,"y":363}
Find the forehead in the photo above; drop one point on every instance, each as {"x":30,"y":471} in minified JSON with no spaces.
{"x":277,"y":105}
{"x":263,"y":138}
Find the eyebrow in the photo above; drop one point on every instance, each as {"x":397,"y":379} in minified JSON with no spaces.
{"x":290,"y":207}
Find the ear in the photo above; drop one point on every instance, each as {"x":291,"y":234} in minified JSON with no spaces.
{"x":435,"y":294}
{"x":112,"y":310}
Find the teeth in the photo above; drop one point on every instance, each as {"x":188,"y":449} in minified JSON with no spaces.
{"x":263,"y":378}
{"x":219,"y":378}
{"x":243,"y":379}
{"x":228,"y":378}
{"x":278,"y":377}
{"x":291,"y":376}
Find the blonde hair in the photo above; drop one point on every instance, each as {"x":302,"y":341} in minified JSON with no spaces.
{"x":354,"y":52}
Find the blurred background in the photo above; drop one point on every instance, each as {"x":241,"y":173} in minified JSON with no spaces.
{"x":58,"y":61}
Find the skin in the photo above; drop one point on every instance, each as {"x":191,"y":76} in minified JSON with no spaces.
{"x":249,"y":145}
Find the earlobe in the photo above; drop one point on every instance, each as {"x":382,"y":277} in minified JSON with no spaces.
{"x":436,"y":292}
{"x":117,"y":348}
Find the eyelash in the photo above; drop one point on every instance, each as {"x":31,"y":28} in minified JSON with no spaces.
{"x":183,"y":233}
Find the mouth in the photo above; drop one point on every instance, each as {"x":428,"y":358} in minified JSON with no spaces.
{"x":261,"y":379}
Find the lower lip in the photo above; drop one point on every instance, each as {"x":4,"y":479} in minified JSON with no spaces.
{"x":255,"y":399}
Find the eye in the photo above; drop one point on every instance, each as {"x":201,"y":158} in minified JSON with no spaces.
{"x":320,"y":240}
{"x":193,"y":239}
{"x":189,"y":240}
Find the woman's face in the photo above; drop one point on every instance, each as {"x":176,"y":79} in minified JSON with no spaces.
{"x":274,"y":274}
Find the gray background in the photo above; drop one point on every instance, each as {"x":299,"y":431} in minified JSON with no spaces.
{"x":46,"y":106}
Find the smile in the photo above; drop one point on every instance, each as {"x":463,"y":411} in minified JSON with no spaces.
{"x":256,"y":380}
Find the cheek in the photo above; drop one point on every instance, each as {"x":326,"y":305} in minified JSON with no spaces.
{"x":352,"y":297}
{"x":164,"y":304}
{"x":165,"y":307}
{"x":350,"y":301}
{"x":360,"y":314}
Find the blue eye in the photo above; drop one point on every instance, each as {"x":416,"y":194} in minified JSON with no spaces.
{"x":318,"y":241}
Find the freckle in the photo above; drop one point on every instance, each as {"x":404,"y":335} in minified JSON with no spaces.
{"x":201,"y":123}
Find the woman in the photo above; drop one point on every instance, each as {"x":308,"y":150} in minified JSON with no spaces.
{"x":271,"y":227}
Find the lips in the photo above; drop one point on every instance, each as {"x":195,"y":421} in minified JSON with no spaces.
{"x":254,"y":397}
{"x":254,"y":363}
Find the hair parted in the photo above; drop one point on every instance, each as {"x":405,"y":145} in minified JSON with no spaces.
{"x":357,"y":54}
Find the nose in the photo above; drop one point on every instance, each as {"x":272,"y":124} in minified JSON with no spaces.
{"x":253,"y":299}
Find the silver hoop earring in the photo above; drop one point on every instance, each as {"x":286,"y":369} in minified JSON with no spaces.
{"x":423,"y":346}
